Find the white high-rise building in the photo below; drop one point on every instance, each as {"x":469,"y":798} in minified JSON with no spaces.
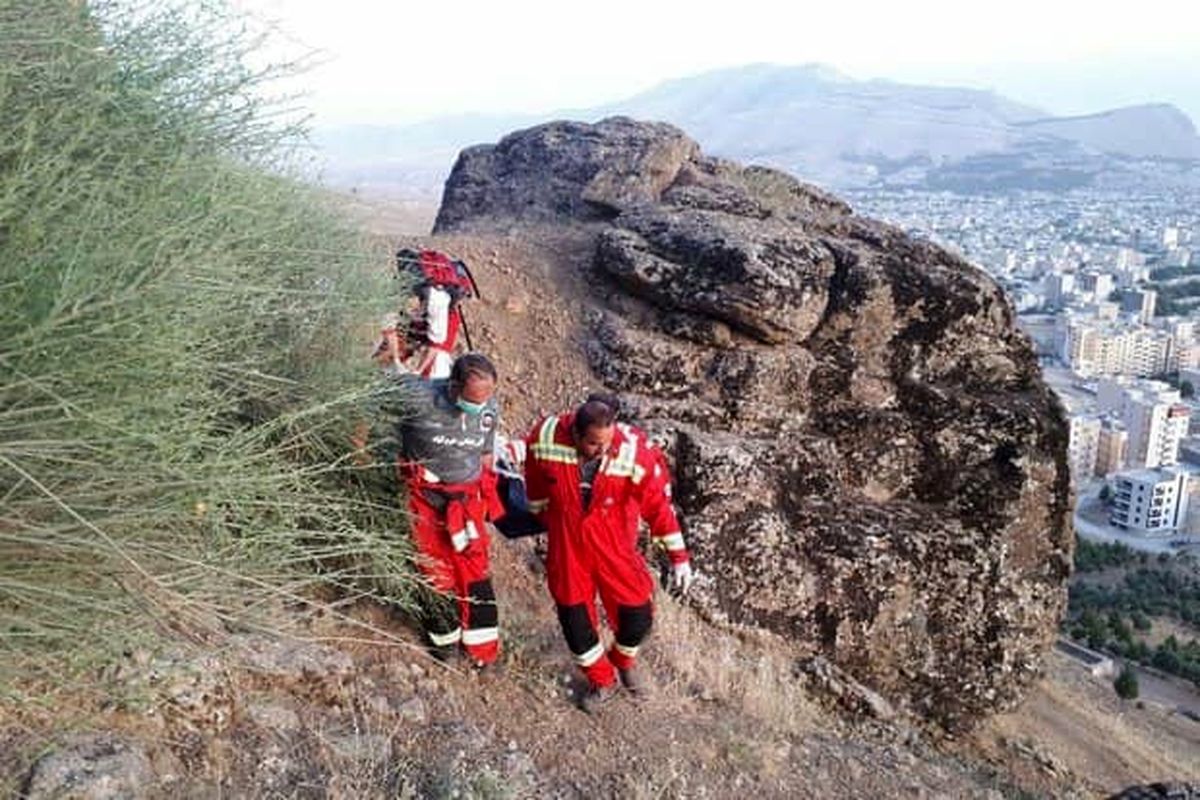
{"x":1111,"y":353}
{"x":1083,"y":445}
{"x":1091,"y":349}
{"x":1075,"y":342}
{"x":1152,"y":414}
{"x":1150,"y":501}
{"x":1155,"y":431}
{"x":1148,"y":353}
{"x":1181,"y":328}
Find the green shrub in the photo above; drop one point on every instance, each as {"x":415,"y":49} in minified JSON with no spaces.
{"x":180,"y":348}
{"x":1126,"y":684}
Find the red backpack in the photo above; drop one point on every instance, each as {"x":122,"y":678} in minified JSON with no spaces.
{"x":433,"y":268}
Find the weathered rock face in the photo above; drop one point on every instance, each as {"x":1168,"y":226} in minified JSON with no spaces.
{"x":867,"y":459}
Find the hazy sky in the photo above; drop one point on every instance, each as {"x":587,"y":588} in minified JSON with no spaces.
{"x":398,"y":61}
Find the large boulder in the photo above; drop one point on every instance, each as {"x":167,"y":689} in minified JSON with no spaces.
{"x":867,"y":459}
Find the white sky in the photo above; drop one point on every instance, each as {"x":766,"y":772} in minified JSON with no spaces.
{"x":413,"y":59}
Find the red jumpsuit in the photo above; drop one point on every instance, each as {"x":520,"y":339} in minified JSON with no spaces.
{"x":594,"y":549}
{"x":452,"y":544}
{"x":444,"y":458}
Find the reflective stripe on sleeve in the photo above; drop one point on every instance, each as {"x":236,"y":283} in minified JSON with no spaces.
{"x":671,"y":541}
{"x":459,"y":540}
{"x":537,"y":506}
{"x":472,"y":531}
{"x":591,"y":656}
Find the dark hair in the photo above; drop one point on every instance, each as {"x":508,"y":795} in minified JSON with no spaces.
{"x":610,"y":400}
{"x":593,"y":414}
{"x":476,"y":364}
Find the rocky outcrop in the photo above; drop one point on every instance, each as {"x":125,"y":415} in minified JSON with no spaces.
{"x":565,"y":170}
{"x":867,"y":460}
{"x":92,"y":767}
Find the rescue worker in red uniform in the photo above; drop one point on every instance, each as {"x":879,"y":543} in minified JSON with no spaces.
{"x":591,"y":479}
{"x":447,"y":439}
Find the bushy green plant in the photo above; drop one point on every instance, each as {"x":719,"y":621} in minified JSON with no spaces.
{"x":180,"y":344}
{"x":1126,"y":683}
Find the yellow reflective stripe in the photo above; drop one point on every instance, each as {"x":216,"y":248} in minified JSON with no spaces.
{"x":639,"y":473}
{"x":474,"y":636}
{"x":628,"y":652}
{"x":546,"y":437}
{"x":441,"y":640}
{"x":547,"y":449}
{"x":671,"y":541}
{"x":625,"y":464}
{"x":555,"y":452}
{"x":537,"y":506}
{"x":591,"y":656}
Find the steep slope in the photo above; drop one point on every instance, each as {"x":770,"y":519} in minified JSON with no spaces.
{"x":356,"y":710}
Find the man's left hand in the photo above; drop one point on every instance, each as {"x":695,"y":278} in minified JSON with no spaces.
{"x":682,"y":576}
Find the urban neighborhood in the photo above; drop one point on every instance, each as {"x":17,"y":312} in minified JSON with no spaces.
{"x":1107,"y":286}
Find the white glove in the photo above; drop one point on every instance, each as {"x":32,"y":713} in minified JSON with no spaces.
{"x":682,"y":576}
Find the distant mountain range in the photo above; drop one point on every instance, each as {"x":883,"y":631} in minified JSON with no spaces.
{"x":826,"y":128}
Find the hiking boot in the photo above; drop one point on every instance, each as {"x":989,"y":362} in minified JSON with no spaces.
{"x":595,"y":697}
{"x":634,"y":681}
{"x":449,"y":654}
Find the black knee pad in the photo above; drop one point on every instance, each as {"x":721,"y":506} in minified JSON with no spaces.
{"x":577,"y":628}
{"x":482,"y":611}
{"x":439,"y":613}
{"x":633,"y":624}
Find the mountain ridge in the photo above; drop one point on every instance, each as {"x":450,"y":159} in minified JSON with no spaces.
{"x":819,"y":124}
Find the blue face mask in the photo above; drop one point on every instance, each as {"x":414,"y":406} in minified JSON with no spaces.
{"x":474,"y":409}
